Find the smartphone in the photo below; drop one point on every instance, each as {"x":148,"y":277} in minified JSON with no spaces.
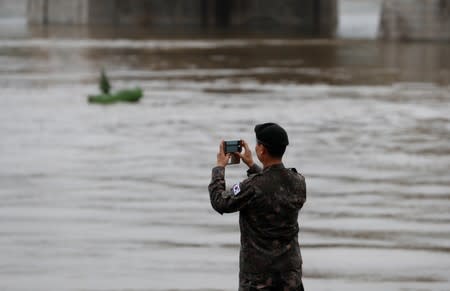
{"x":233,"y":147}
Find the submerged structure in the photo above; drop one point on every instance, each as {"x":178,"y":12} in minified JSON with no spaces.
{"x":304,"y":17}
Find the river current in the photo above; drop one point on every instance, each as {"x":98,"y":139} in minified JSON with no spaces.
{"x":115,"y":197}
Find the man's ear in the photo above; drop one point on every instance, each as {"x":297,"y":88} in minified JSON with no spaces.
{"x":263,"y":150}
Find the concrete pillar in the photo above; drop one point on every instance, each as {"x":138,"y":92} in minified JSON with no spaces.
{"x":327,"y":17}
{"x":58,"y":11}
{"x":68,"y":12}
{"x":415,"y":20}
{"x":37,"y":11}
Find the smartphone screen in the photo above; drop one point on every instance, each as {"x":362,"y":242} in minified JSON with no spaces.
{"x":233,"y":146}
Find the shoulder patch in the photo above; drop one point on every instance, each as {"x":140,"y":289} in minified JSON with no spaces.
{"x":236,"y":189}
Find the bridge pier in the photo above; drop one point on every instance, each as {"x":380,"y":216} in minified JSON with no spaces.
{"x":415,"y":20}
{"x":303,"y":17}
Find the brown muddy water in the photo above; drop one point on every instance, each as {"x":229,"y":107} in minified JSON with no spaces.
{"x":115,"y":197}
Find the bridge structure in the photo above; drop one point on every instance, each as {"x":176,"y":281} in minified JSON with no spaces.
{"x":303,"y":17}
{"x":400,"y":19}
{"x":427,"y":20}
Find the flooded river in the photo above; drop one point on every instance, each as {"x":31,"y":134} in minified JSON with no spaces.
{"x":115,"y":197}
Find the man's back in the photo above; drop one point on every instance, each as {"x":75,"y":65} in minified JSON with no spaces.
{"x":268,"y":203}
{"x":269,"y":227}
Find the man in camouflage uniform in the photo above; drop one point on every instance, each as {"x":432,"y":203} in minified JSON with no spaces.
{"x":268,"y":202}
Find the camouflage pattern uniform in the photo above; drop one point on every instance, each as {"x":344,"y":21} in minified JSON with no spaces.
{"x":268,"y":202}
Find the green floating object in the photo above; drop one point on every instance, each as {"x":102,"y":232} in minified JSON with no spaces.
{"x":131,"y":95}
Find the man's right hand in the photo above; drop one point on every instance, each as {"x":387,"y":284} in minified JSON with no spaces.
{"x":222,"y":157}
{"x":247,"y":156}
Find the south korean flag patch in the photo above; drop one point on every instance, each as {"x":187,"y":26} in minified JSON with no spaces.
{"x":236,"y":189}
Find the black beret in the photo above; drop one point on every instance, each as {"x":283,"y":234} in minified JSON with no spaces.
{"x":271,"y":135}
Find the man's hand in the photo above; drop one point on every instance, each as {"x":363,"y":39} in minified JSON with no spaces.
{"x":247,"y":156}
{"x":222,"y":158}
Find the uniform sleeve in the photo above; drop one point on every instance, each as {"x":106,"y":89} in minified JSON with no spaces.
{"x":255,"y":169}
{"x":228,"y":201}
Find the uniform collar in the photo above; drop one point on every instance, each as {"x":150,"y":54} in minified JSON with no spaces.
{"x":275,"y":167}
